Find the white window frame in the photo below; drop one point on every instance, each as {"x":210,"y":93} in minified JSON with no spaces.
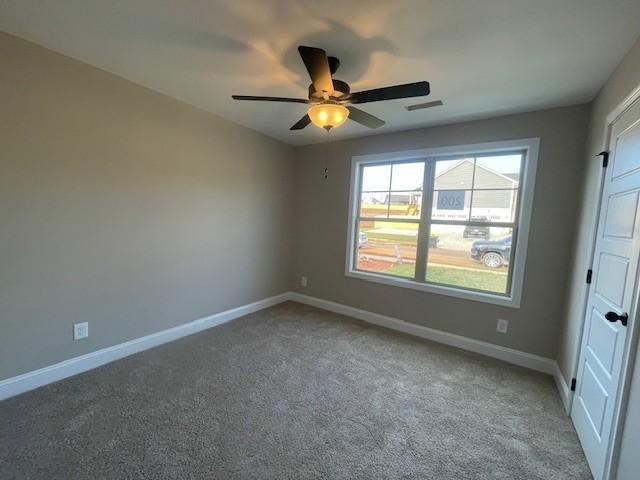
{"x":530,"y":146}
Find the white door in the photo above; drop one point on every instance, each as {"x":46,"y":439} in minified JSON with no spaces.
{"x":611,"y":302}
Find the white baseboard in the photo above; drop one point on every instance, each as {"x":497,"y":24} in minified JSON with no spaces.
{"x":566,"y":395}
{"x":523,"y":359}
{"x":67,"y":368}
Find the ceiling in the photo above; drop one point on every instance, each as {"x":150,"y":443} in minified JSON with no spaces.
{"x":482,"y":58}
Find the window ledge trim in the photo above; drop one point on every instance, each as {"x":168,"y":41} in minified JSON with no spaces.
{"x":437,"y":289}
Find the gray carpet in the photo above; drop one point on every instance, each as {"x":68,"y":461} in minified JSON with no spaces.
{"x":293,"y":392}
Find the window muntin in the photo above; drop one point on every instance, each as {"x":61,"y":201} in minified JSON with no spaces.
{"x":466,"y":241}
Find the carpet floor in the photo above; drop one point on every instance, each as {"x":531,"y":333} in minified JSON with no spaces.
{"x":293,"y":392}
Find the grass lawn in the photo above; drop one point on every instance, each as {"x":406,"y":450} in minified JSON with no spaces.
{"x":487,"y":281}
{"x":410,"y":239}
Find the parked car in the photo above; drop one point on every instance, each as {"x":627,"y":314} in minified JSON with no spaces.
{"x":493,"y":253}
{"x":476,"y":231}
{"x":362,"y":240}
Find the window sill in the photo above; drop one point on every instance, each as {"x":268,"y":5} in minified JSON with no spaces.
{"x":437,"y":289}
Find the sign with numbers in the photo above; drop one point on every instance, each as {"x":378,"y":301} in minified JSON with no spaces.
{"x":451,"y":200}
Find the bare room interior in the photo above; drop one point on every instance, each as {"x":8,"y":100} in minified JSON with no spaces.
{"x":303,"y":239}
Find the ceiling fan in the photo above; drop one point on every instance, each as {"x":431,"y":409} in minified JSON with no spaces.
{"x":331,"y":100}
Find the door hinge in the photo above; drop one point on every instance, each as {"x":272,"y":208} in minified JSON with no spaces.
{"x":589,"y":275}
{"x":573,"y":384}
{"x":605,"y":158}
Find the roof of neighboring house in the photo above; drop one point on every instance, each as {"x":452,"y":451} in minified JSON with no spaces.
{"x":512,"y":177}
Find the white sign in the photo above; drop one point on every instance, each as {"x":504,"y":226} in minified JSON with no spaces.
{"x":451,"y":200}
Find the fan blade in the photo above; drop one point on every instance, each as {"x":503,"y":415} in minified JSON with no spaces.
{"x":417,"y":89}
{"x":420,"y":106}
{"x":303,"y":122}
{"x":364,"y":118}
{"x":269,"y":99}
{"x":315,"y":59}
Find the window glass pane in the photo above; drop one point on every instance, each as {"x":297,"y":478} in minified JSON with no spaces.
{"x":498,"y":172}
{"x":387,"y":247}
{"x":376,"y":178}
{"x":494,"y":205}
{"x":477,"y":260}
{"x":451,"y":205}
{"x":374,"y":204}
{"x":405,"y":204}
{"x":407,"y":176}
{"x":454,"y":174}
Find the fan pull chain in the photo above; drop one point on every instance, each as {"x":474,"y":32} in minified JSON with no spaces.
{"x":326,"y":156}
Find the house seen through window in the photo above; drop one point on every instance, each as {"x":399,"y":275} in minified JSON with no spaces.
{"x":440,"y":221}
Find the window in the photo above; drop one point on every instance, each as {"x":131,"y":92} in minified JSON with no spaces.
{"x":451,"y":220}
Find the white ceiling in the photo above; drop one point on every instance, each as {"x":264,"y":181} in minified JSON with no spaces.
{"x":482,"y":58}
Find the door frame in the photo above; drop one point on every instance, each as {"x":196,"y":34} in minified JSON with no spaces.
{"x":631,"y":347}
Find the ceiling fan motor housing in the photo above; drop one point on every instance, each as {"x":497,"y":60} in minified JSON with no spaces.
{"x":340,"y":88}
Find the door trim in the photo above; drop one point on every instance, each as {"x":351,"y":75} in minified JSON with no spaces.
{"x":613,"y":115}
{"x":631,"y":347}
{"x":618,"y":111}
{"x":620,"y":410}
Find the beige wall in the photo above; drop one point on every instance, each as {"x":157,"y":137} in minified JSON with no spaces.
{"x":624,"y":79}
{"x":125,"y":208}
{"x":320,"y":226}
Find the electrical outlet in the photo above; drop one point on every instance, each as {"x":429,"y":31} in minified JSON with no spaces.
{"x":80,"y":330}
{"x":303,"y":281}
{"x":502,"y":325}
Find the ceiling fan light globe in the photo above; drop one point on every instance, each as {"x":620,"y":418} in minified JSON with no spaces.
{"x":328,"y":115}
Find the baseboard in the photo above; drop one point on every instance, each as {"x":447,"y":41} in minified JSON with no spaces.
{"x":73,"y":366}
{"x":566,"y":395}
{"x":67,"y":368}
{"x":516,"y":357}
